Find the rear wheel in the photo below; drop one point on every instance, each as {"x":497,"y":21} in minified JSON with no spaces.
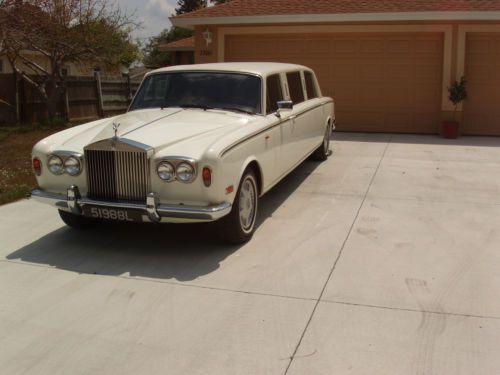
{"x":323,"y":151}
{"x":76,"y":221}
{"x":239,"y":225}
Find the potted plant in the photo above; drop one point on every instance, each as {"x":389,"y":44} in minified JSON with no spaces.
{"x":457,"y":93}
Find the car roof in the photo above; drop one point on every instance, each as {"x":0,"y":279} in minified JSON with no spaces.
{"x":259,"y":68}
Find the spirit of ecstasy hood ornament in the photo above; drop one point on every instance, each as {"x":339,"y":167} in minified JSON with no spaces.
{"x":115,"y":128}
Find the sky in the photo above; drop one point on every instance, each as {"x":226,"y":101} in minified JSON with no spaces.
{"x":153,"y":14}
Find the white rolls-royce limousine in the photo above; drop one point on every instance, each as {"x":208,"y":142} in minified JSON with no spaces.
{"x":198,"y":143}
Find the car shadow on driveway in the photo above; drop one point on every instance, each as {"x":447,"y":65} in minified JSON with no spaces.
{"x":182,"y":252}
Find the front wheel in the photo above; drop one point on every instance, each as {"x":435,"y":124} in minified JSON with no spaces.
{"x":322,"y":152}
{"x":239,"y":225}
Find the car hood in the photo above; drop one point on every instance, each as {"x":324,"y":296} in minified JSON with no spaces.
{"x":161,"y":128}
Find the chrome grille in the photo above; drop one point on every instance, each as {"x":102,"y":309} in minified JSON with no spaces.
{"x":114,"y":174}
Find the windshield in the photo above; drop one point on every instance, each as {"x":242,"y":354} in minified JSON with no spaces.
{"x":207,"y":90}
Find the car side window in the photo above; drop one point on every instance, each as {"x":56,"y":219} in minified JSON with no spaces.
{"x":274,"y":93}
{"x":295,"y":87}
{"x":310,"y":86}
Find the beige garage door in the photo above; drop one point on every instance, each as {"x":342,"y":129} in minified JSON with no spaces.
{"x":482,"y":70}
{"x":380,"y":82}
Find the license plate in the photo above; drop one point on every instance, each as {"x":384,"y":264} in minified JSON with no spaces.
{"x":119,"y":214}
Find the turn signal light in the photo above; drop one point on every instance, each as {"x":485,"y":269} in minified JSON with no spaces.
{"x":37,"y":166}
{"x":207,"y":176}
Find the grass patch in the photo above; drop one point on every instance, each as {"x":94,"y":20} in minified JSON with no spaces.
{"x":4,"y":133}
{"x":14,"y":193}
{"x":16,"y":176}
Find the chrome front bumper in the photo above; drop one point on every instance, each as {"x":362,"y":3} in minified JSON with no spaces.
{"x":153,"y":211}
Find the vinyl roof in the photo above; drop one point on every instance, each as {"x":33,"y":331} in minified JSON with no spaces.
{"x":259,"y":68}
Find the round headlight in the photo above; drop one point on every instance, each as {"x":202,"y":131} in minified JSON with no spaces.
{"x":72,"y":166}
{"x":185,"y":172}
{"x":166,"y":171}
{"x":55,"y":164}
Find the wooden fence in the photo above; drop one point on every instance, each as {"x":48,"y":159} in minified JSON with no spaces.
{"x":86,"y":98}
{"x":7,"y":98}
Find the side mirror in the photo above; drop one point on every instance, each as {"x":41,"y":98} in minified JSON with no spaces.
{"x":284,"y":105}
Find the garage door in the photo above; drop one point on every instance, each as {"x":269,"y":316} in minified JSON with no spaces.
{"x":380,"y":82}
{"x":482,"y":70}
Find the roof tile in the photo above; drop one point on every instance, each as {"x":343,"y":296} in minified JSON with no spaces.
{"x":236,"y":8}
{"x":186,"y":43}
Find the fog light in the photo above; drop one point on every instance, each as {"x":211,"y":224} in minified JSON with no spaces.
{"x":37,"y":166}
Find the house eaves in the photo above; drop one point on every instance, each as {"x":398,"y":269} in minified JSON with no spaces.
{"x":191,"y":22}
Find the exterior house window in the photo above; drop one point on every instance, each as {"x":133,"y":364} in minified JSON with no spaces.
{"x":295,"y":87}
{"x":310,"y":86}
{"x":274,"y":93}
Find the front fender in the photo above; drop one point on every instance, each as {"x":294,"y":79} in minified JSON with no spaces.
{"x":233,"y":173}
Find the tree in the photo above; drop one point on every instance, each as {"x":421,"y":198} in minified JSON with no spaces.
{"x":62,"y":32}
{"x":186,"y":6}
{"x":153,"y":56}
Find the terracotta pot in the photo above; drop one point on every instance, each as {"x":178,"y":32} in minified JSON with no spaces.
{"x":450,"y":129}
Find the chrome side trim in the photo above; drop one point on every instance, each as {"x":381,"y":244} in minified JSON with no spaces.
{"x":163,"y":212}
{"x":278,"y":123}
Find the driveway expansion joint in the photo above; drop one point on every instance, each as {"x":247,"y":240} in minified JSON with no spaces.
{"x":167,"y":282}
{"x":338,"y":256}
{"x":446,"y":313}
{"x":434,"y":201}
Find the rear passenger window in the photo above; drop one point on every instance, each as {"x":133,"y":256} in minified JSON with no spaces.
{"x":274,"y":93}
{"x":310,"y":86}
{"x":295,"y":87}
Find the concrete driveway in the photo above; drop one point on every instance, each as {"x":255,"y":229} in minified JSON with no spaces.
{"x":383,"y":260}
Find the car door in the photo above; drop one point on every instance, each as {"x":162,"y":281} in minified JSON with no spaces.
{"x":274,"y":94}
{"x":296,"y":125}
{"x":312,"y":120}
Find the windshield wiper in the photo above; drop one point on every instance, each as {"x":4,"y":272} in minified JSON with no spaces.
{"x":204,"y":107}
{"x":236,"y":110}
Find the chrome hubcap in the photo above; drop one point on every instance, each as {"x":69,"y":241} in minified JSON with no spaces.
{"x":326,"y":140}
{"x":248,"y":197}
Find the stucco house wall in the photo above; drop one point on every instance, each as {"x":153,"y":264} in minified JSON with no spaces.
{"x":403,"y":99}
